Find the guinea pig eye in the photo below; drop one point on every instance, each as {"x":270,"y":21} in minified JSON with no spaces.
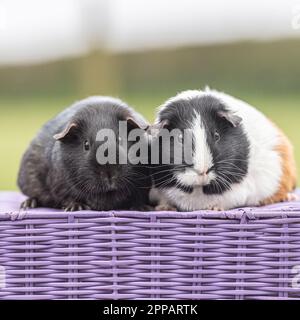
{"x":86,"y":145}
{"x":217,"y":136}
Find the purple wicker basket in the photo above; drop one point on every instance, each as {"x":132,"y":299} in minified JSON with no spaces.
{"x":249,"y":253}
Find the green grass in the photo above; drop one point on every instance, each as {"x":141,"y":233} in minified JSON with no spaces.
{"x":21,"y":118}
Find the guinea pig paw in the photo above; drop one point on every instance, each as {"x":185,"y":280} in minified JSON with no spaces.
{"x":75,"y":206}
{"x":216,"y":208}
{"x":292,"y":197}
{"x":29,"y":203}
{"x":165,"y":207}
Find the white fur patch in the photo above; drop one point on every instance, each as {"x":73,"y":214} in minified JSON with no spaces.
{"x":202,"y":157}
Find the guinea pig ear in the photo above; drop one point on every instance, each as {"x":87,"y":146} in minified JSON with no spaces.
{"x":230,"y":117}
{"x":67,"y":132}
{"x":136,"y":124}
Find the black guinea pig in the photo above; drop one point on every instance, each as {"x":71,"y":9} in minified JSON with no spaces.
{"x":60,"y":167}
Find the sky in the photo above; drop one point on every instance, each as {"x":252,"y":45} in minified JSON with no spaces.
{"x":38,"y":30}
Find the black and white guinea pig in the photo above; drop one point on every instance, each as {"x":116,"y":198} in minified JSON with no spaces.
{"x":60,"y":167}
{"x":239,"y":157}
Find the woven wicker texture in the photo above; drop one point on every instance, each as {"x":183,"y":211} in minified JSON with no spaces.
{"x":240,"y":254}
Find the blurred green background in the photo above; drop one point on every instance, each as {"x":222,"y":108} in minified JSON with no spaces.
{"x":55,"y":52}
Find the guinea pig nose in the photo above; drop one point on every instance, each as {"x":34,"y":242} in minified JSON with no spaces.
{"x":202,"y":172}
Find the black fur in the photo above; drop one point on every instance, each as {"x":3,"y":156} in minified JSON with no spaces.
{"x":61,"y":174}
{"x":233,"y":146}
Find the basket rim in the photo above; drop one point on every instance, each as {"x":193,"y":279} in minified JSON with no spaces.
{"x":236,"y":214}
{"x":279,"y":210}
